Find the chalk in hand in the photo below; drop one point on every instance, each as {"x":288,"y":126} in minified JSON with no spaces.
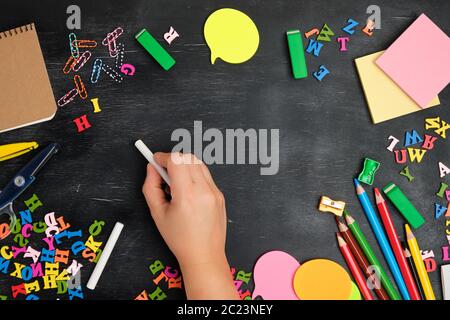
{"x":95,"y":276}
{"x":149,"y":156}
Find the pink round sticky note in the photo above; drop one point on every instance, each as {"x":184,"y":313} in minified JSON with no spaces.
{"x":273,"y":274}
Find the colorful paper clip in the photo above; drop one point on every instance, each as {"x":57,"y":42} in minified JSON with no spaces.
{"x":69,"y":64}
{"x":81,"y":61}
{"x":96,"y":70}
{"x":80,"y":87}
{"x":110,"y":41}
{"x":86,"y":43}
{"x":68,"y":97}
{"x":329,"y":205}
{"x":113,"y":74}
{"x":73,"y":45}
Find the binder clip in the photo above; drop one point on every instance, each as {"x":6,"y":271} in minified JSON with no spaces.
{"x":328,"y":205}
{"x":18,"y":184}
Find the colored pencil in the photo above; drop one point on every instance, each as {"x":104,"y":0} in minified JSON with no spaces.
{"x":368,"y":251}
{"x":420,"y":265}
{"x":396,"y":246}
{"x":353,"y":266}
{"x":361,"y":258}
{"x":381,"y":238}
{"x":410,"y":261}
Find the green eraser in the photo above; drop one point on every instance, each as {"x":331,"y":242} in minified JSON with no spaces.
{"x":155,"y":49}
{"x":297,"y":54}
{"x":402,"y":203}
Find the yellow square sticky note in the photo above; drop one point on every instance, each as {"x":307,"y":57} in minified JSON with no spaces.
{"x":385,"y":99}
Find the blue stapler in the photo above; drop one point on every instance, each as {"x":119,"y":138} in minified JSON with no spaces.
{"x":19,"y":183}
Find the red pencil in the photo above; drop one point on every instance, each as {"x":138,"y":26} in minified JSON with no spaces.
{"x":354,"y":269}
{"x":396,"y":246}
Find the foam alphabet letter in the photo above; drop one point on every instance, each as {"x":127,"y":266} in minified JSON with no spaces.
{"x":171,"y":35}
{"x":443,"y":128}
{"x":47,"y":255}
{"x":82,"y":123}
{"x":343,"y":42}
{"x":92,"y":244}
{"x":158,"y":294}
{"x":416,"y":154}
{"x":241,"y":275}
{"x":412,"y":138}
{"x":439,"y":210}
{"x":430,"y":265}
{"x":18,"y":289}
{"x":96,"y":228}
{"x":96,"y":105}
{"x":49,"y":282}
{"x":321,"y":73}
{"x":142,"y":296}
{"x":33,"y":203}
{"x":32,"y":253}
{"x":368,"y":29}
{"x":429,"y":142}
{"x":156,"y":266}
{"x":311,"y":32}
{"x":393,"y":143}
{"x":432,"y":123}
{"x":445,"y":256}
{"x":74,"y":267}
{"x":77,"y":247}
{"x":4,"y":265}
{"x":405,"y":172}
{"x":77,"y":293}
{"x":63,"y":224}
{"x":325,"y":33}
{"x":314,"y":47}
{"x":349,"y":28}
{"x":25,"y":217}
{"x":175,"y":283}
{"x":441,"y":190}
{"x":443,"y":170}
{"x":403,"y":156}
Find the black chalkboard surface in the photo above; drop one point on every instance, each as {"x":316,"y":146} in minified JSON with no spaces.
{"x":325,"y":130}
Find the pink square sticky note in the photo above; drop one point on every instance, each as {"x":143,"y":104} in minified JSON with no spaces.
{"x":419,"y":61}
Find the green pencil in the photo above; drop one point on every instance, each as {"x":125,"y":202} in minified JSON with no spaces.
{"x":365,"y":246}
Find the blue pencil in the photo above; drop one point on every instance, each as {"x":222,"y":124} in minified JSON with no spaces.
{"x":382,"y":240}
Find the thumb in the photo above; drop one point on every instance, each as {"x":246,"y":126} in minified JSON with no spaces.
{"x":154,"y":193}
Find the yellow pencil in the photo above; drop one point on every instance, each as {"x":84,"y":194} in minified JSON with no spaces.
{"x":420,"y":265}
{"x":9,"y":151}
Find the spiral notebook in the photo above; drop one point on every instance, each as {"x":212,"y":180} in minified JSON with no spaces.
{"x":26,"y":96}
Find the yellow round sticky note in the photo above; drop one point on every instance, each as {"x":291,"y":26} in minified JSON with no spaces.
{"x":231,"y":36}
{"x":355,"y":295}
{"x":322,"y":279}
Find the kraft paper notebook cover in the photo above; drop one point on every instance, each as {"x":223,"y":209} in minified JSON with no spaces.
{"x":26,"y":95}
{"x":384,"y":98}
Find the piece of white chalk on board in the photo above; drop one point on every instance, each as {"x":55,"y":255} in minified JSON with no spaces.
{"x":149,"y":156}
{"x":104,"y":256}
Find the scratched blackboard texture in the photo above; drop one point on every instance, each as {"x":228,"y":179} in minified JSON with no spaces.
{"x":325,"y":129}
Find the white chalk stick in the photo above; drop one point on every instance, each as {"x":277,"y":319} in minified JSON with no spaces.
{"x":445,"y":278}
{"x":149,"y":156}
{"x":95,"y":276}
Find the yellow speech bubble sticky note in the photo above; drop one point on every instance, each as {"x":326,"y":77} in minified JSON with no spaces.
{"x":322,"y":279}
{"x":231,"y":36}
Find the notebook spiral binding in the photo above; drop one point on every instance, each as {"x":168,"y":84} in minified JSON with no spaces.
{"x":15,"y":31}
